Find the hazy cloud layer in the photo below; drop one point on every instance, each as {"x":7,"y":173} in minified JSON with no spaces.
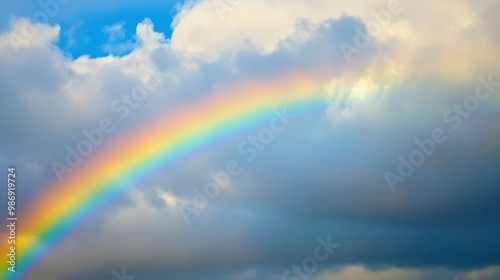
{"x":322,"y":176}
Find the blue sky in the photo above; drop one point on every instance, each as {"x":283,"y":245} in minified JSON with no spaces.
{"x":395,"y":170}
{"x":82,"y":25}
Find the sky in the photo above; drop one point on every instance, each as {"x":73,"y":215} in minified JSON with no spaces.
{"x":317,"y":139}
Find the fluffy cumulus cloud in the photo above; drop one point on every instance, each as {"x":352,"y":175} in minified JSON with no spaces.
{"x":398,"y":164}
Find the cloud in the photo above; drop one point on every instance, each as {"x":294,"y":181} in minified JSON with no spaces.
{"x":323,"y":175}
{"x":115,"y":31}
{"x":115,"y":44}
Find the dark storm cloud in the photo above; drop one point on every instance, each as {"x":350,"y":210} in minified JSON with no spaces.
{"x":322,"y":176}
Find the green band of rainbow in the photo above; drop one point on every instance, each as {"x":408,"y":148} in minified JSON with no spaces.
{"x":115,"y":168}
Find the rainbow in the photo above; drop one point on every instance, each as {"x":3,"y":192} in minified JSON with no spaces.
{"x":116,"y":167}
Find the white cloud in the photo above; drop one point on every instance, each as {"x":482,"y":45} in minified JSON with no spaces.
{"x":115,"y":31}
{"x":67,"y":95}
{"x":492,"y":272}
{"x":361,"y":273}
